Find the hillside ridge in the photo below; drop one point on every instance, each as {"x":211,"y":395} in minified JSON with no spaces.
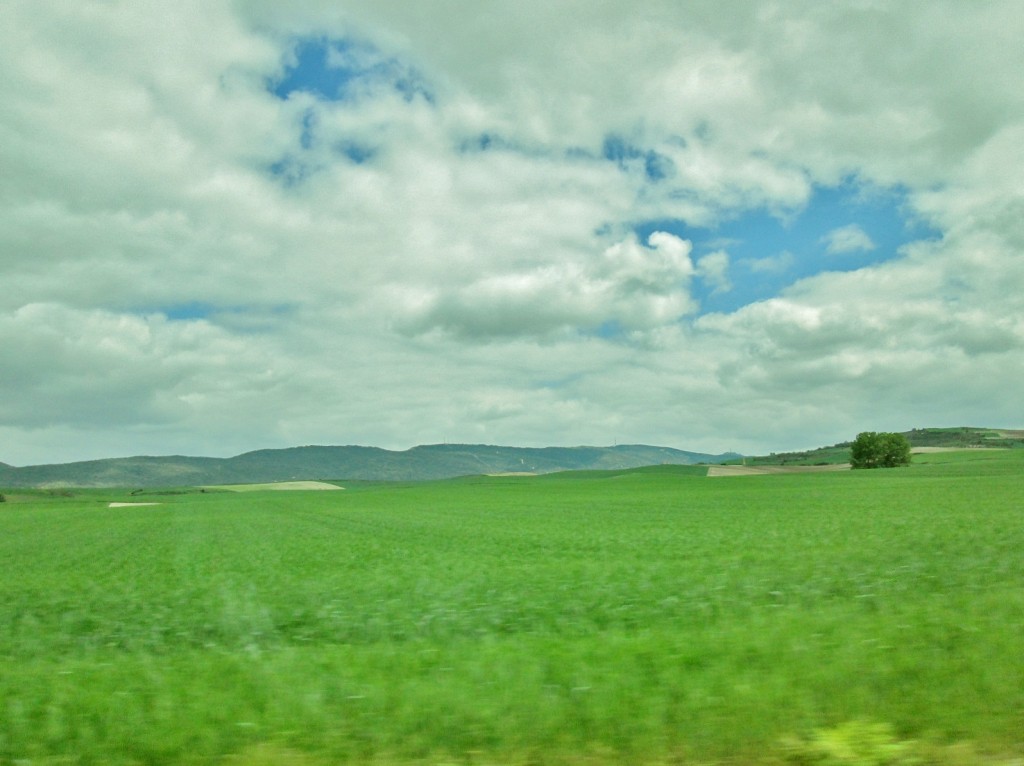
{"x":351,"y":462}
{"x":434,"y":461}
{"x":959,"y":437}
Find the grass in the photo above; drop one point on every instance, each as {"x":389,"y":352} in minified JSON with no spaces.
{"x":631,"y":616}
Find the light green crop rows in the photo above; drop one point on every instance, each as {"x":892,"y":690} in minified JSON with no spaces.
{"x":618,"y":617}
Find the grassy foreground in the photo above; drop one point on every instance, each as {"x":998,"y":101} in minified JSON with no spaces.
{"x":651,"y":616}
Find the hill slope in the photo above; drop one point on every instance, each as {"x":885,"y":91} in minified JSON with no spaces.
{"x":436,"y":461}
{"x":962,"y":437}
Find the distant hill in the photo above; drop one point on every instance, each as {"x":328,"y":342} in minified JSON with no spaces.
{"x":435,"y":461}
{"x":965,"y":436}
{"x":962,"y":437}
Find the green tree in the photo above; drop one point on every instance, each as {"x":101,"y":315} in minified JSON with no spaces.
{"x":879,"y":450}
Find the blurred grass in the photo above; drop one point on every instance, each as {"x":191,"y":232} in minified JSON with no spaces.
{"x":648,"y":616}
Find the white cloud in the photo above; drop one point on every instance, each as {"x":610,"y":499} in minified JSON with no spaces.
{"x":771,"y":264}
{"x":847,"y":239}
{"x":713,"y":268}
{"x":497,"y":293}
{"x":631,"y":285}
{"x":93,"y":369}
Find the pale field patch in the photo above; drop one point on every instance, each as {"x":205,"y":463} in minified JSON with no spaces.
{"x":128,"y":505}
{"x":277,"y":485}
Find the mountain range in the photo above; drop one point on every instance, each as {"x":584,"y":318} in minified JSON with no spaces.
{"x":434,"y":461}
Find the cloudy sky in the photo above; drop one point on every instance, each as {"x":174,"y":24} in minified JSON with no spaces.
{"x":752,"y":226}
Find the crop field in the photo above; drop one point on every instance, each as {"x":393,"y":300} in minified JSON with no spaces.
{"x":649,"y":616}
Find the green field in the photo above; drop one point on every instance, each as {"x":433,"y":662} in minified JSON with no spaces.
{"x":648,"y":616}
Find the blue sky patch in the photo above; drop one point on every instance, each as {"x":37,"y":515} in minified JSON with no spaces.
{"x":308,"y":129}
{"x":487,"y":142}
{"x":842,"y":228}
{"x":290,"y":170}
{"x":344,"y":69}
{"x":610,"y":330}
{"x":336,"y":71}
{"x":191,"y":311}
{"x":240,"y":318}
{"x":656,"y":167}
{"x":355,"y":151}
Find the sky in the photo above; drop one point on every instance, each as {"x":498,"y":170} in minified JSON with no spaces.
{"x":727,"y":225}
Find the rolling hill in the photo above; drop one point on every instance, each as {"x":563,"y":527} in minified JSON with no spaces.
{"x":961,"y":437}
{"x":435,"y":461}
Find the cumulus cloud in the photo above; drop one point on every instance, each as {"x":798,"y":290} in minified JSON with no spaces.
{"x":630,"y":285}
{"x":448,"y":248}
{"x":778,"y":263}
{"x":97,"y":369}
{"x":847,"y":239}
{"x":713,"y":268}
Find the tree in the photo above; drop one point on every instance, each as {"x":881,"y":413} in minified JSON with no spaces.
{"x":879,"y":450}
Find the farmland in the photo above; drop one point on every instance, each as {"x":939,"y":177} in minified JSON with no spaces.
{"x":651,"y":615}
